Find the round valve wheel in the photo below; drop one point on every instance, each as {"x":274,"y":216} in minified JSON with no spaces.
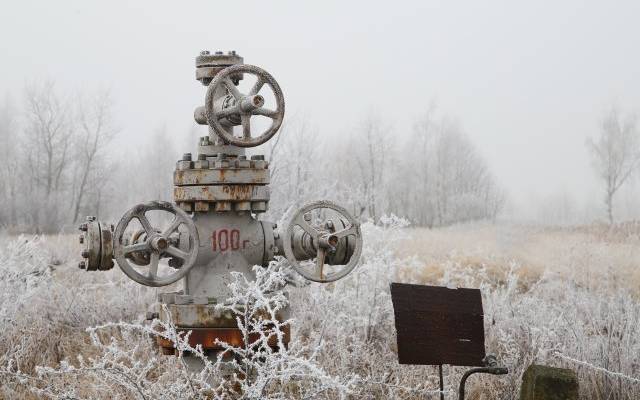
{"x":244,"y":106}
{"x":323,"y":240}
{"x":157,"y":244}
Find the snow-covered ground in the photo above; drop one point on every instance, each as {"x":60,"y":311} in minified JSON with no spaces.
{"x":563,"y":297}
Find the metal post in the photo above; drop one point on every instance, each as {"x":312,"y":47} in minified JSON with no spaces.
{"x":441,"y":382}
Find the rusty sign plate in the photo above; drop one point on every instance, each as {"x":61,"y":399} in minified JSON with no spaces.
{"x":437,"y":325}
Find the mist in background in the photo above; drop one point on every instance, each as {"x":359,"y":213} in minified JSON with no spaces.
{"x":522,"y":86}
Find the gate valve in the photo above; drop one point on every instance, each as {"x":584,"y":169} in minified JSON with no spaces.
{"x":238,"y":108}
{"x":324,"y":241}
{"x":157,"y":243}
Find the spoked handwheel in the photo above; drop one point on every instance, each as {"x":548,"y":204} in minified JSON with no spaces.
{"x":157,"y":244}
{"x":325,"y":238}
{"x":244,"y":106}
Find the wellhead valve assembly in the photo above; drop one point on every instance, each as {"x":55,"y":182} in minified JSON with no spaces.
{"x":212,"y":227}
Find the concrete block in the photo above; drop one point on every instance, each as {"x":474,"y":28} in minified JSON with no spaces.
{"x":540,"y":382}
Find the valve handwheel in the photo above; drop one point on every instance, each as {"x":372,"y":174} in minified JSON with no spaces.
{"x":245,"y":105}
{"x":324,"y":241}
{"x":157,"y":243}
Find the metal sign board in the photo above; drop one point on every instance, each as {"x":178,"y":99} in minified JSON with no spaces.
{"x":437,"y":325}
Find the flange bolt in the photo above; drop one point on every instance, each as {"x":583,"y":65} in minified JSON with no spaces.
{"x":186,"y":157}
{"x":81,"y":239}
{"x":83,"y":227}
{"x":85,"y":254}
{"x":82,"y":265}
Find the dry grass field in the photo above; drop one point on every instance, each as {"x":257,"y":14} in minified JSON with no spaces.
{"x":584,"y":254}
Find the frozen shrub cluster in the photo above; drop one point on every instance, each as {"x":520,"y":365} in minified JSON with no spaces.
{"x":121,"y":361}
{"x":46,"y":307}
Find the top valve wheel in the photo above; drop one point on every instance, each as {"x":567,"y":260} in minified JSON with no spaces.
{"x":325,"y":238}
{"x":157,"y":244}
{"x":244,"y":106}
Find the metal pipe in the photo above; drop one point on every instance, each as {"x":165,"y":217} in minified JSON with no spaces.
{"x":441,"y":382}
{"x":484,"y":370}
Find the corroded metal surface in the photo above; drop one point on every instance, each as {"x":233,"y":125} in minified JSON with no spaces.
{"x":205,"y":315}
{"x":231,"y":193}
{"x":221,"y":176}
{"x":207,"y":337}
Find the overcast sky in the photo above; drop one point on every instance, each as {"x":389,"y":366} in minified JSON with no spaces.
{"x":528,"y":81}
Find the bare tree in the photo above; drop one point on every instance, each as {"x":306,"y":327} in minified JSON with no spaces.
{"x":9,"y":170}
{"x":96,"y":131}
{"x":294,"y":160}
{"x":49,"y":130}
{"x":615,"y":153}
{"x":371,"y":147}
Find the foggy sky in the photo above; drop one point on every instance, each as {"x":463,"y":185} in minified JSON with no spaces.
{"x":528,"y":81}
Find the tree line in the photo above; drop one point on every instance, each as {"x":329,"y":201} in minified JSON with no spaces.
{"x":59,"y":163}
{"x":434,"y":176}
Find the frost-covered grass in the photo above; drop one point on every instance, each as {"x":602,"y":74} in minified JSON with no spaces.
{"x":564,"y":297}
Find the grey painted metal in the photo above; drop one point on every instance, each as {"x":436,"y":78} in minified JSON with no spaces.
{"x":157,"y":244}
{"x":208,"y":65}
{"x":245,"y":106}
{"x":97,"y":252}
{"x":230,"y":242}
{"x":323,"y":240}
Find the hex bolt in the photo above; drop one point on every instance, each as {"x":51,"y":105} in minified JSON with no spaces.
{"x":81,"y":239}
{"x":222,"y":156}
{"x":85,"y":254}
{"x":219,"y":53}
{"x":82,"y":265}
{"x":307,"y":217}
{"x":91,"y":218}
{"x":202,"y":157}
{"x":186,"y":157}
{"x":205,"y":53}
{"x":257,"y":157}
{"x":242,"y":157}
{"x":83,"y":227}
